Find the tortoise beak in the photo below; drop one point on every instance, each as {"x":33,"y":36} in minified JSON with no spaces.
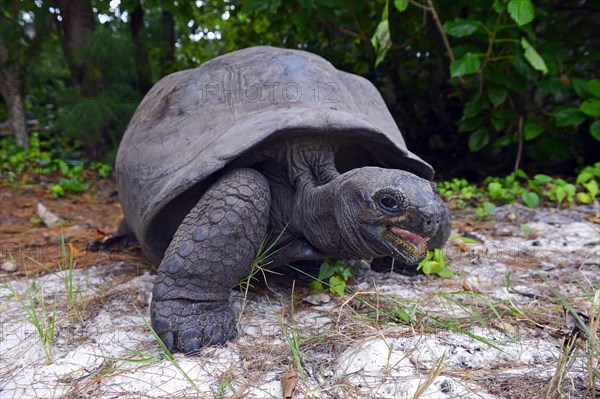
{"x":413,"y":239}
{"x":404,"y":244}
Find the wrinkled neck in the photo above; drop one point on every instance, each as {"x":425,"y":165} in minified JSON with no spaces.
{"x":314,"y":215}
{"x":330,"y":216}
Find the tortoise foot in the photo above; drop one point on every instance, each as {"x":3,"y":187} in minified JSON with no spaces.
{"x":187,"y":325}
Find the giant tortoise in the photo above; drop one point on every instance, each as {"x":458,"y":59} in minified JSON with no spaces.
{"x":265,"y":142}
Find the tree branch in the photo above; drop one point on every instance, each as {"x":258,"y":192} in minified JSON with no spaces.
{"x":520,"y":147}
{"x":356,"y":23}
{"x":345,"y":31}
{"x":438,"y":23}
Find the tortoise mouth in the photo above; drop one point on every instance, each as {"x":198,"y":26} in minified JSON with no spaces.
{"x":410,"y":246}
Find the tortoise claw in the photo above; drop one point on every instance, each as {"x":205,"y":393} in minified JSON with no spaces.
{"x":187,"y":326}
{"x":191,"y":346}
{"x":168,"y":339}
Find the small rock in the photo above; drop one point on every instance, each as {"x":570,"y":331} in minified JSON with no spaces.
{"x":446,"y":386}
{"x":9,"y":267}
{"x":505,"y":232}
{"x":317,"y":299}
{"x":47,"y":217}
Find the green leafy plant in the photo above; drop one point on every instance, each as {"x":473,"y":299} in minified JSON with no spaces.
{"x":44,"y":163}
{"x":561,"y":191}
{"x":530,"y":198}
{"x":485,"y":209}
{"x":518,"y":186}
{"x":588,"y":179}
{"x":334,"y":274}
{"x":435,"y":263}
{"x":459,"y":191}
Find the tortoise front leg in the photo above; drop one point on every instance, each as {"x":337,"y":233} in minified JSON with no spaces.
{"x":211,"y":251}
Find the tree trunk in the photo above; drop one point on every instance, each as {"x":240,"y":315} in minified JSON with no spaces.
{"x":11,"y":85}
{"x":169,"y":39}
{"x":140,"y":55}
{"x":77,"y":26}
{"x":10,"y":88}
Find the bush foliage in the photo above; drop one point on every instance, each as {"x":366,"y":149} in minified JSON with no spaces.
{"x":477,"y":87}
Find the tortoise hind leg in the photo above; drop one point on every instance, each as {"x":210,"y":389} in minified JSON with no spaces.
{"x":208,"y":255}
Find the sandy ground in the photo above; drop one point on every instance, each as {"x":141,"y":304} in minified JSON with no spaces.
{"x":496,"y":330}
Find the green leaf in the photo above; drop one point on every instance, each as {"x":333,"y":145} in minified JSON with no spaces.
{"x":316,"y":286}
{"x":438,"y":256}
{"x":498,"y":6}
{"x":530,"y":199}
{"x":584,"y":177}
{"x":570,"y":189}
{"x":533,"y":57}
{"x":584,"y":198}
{"x":495,"y":190}
{"x":521,"y":173}
{"x":568,"y":115}
{"x":595,"y":130}
{"x":590,"y":107}
{"x":488,"y":207}
{"x":431,"y":266}
{"x":401,"y":5}
{"x":62,"y":166}
{"x":473,"y":106}
{"x":593,"y":87}
{"x":502,"y":141}
{"x":73,"y":185}
{"x":521,"y":11}
{"x":498,"y":121}
{"x":497,"y":95}
{"x":346,"y":273}
{"x":460,"y":27}
{"x":552,"y":85}
{"x":446,"y":273}
{"x":466,"y":65}
{"x":478,"y":139}
{"x":465,"y":239}
{"x":560,"y":194}
{"x":542,"y":179}
{"x":337,"y":285}
{"x":57,"y":190}
{"x":532,"y":130}
{"x":580,"y":86}
{"x":327,"y":269}
{"x":485,"y":209}
{"x":381,"y":39}
{"x":469,"y":124}
{"x":592,"y":187}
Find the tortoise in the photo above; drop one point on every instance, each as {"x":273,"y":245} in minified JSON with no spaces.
{"x":265,"y":142}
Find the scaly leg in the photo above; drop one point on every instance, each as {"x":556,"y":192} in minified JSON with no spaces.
{"x":211,"y":251}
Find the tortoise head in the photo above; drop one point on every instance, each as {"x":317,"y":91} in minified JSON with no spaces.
{"x":387,"y":212}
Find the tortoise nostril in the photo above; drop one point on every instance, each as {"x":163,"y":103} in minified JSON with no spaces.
{"x":428,"y":222}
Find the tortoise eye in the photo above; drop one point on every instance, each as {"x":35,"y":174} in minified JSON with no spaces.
{"x":389,"y":203}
